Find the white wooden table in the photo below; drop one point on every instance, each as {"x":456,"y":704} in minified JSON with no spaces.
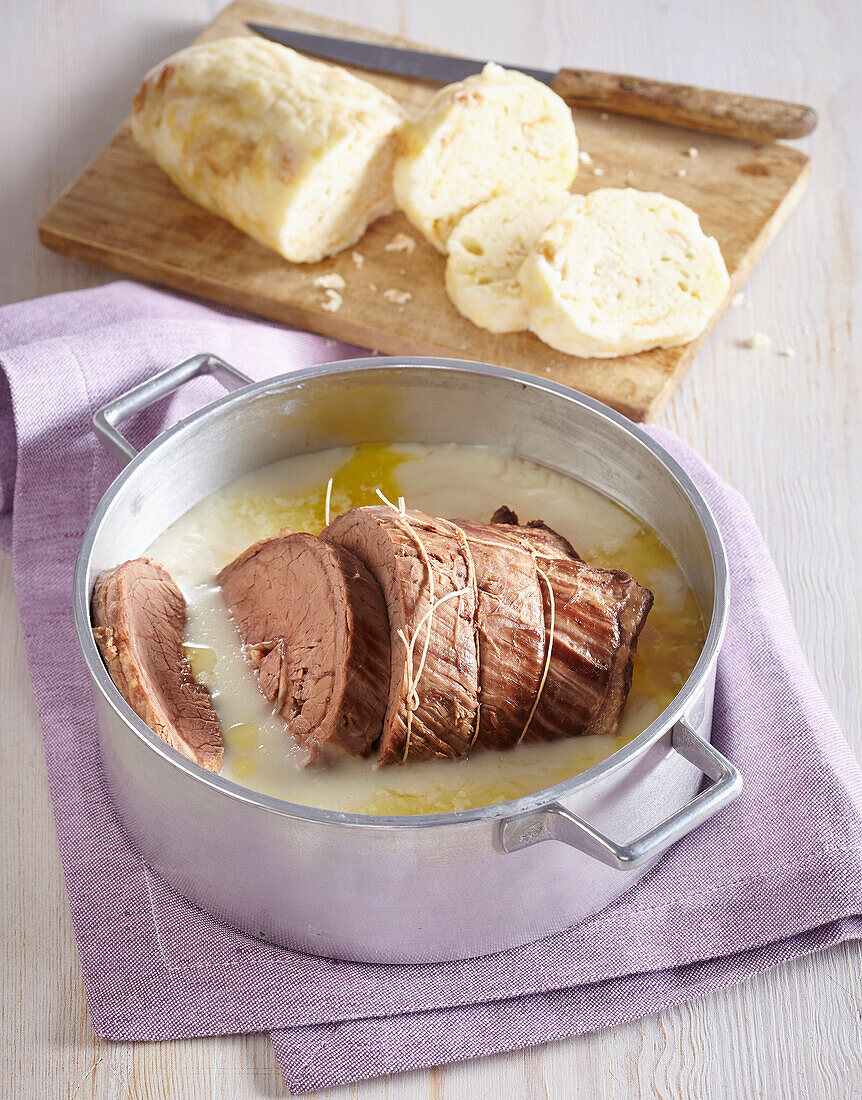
{"x":791,"y":444}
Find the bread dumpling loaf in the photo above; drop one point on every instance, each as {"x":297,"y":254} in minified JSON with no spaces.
{"x":487,"y":248}
{"x":296,"y":153}
{"x":494,"y":132}
{"x":621,"y":271}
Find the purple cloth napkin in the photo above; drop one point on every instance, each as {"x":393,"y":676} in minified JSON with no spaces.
{"x":775,"y":876}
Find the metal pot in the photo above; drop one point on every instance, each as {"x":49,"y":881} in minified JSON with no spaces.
{"x":419,"y":888}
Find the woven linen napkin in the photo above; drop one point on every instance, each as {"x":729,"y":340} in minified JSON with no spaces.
{"x":776,"y":875}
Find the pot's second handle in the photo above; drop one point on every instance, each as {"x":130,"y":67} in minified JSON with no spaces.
{"x":147,"y":393}
{"x":555,"y":822}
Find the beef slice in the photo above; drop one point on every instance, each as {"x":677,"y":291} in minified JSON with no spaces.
{"x":432,"y":704}
{"x":314,"y":624}
{"x":139,"y":616}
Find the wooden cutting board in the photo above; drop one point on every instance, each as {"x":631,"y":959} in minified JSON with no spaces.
{"x":123,"y":213}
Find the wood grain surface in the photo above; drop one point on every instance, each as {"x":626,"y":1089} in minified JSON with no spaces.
{"x":752,"y":117}
{"x":125,"y":214}
{"x":785,"y":431}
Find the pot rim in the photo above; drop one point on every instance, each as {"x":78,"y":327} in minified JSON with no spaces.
{"x":529,"y":803}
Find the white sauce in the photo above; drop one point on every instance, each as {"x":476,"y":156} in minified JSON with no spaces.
{"x":454,"y":481}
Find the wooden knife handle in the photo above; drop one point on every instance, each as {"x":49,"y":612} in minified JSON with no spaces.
{"x":699,"y":108}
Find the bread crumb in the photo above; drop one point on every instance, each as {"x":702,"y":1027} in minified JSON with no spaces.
{"x":629,"y":174}
{"x":789,"y":353}
{"x":691,"y":151}
{"x":333,"y":302}
{"x":738,"y":299}
{"x":598,"y":171}
{"x":372,"y":287}
{"x":604,"y":116}
{"x":400,"y":243}
{"x":358,"y":259}
{"x":332,"y":281}
{"x":398,"y":297}
{"x":584,"y":157}
{"x":758,"y":340}
{"x":681,"y":172}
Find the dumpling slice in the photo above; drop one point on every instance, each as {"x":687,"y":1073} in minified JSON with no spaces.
{"x":621,"y":271}
{"x":494,"y":132}
{"x":487,"y":248}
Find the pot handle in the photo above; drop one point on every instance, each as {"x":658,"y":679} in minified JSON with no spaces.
{"x":160,"y":385}
{"x":555,"y":822}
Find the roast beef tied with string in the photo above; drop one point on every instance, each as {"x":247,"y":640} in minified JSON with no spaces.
{"x":404,"y":637}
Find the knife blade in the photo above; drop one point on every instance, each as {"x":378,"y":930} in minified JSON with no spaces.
{"x":386,"y":59}
{"x":705,"y":109}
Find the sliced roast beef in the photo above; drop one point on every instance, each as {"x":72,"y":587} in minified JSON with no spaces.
{"x":314,"y":625}
{"x":139,"y":615}
{"x":597,"y":617}
{"x":420,"y":562}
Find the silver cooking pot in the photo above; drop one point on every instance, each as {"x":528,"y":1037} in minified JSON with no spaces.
{"x":426,"y":887}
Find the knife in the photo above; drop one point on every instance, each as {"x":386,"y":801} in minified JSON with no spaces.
{"x":698,"y":108}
